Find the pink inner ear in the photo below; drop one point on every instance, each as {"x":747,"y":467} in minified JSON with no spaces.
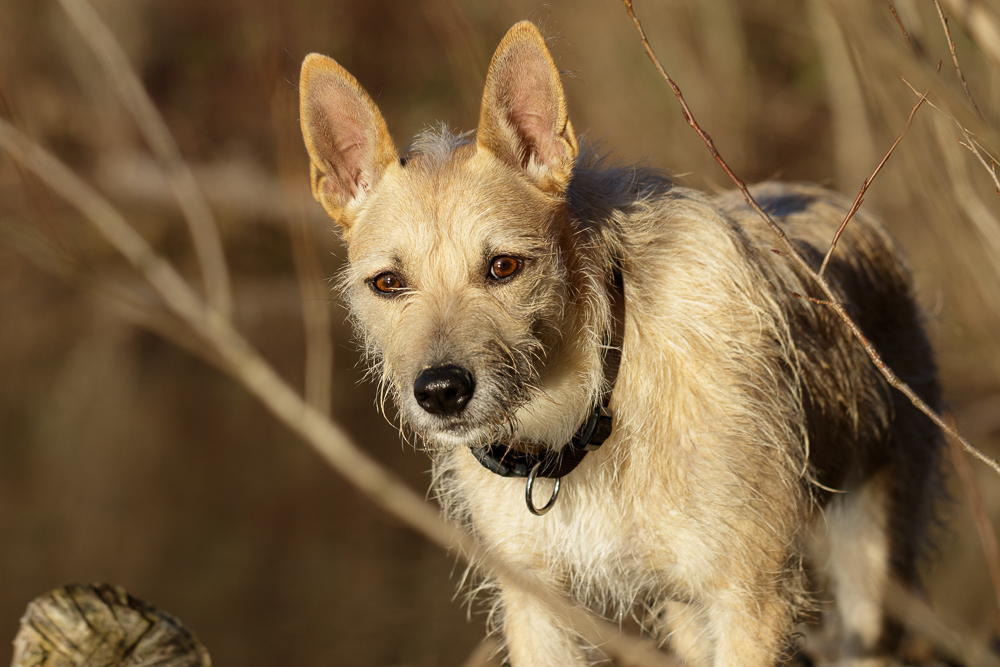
{"x":532,"y":115}
{"x":531,"y":104}
{"x":344,"y":135}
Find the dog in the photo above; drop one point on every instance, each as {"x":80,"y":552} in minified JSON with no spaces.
{"x":726,"y":454}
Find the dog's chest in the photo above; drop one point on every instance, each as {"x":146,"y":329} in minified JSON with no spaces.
{"x":593,"y":538}
{"x":603,"y":552}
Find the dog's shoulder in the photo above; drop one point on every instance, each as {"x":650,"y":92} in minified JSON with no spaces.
{"x":601,"y":185}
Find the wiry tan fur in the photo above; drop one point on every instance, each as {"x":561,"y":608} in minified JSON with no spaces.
{"x":739,"y":407}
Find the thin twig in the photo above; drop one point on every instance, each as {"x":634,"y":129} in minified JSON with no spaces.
{"x":305,"y":254}
{"x":484,"y":655}
{"x":987,"y":535}
{"x":837,"y":307}
{"x":128,"y":301}
{"x":981,"y":24}
{"x":901,"y":27}
{"x":204,"y":233}
{"x":984,"y":222}
{"x":970,"y":142}
{"x":986,"y":225}
{"x":867,"y":182}
{"x":918,"y":617}
{"x":244,"y":364}
{"x":813,"y":299}
{"x":954,"y":56}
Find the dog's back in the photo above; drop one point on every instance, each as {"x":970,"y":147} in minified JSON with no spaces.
{"x":869,"y":276}
{"x":865,"y":439}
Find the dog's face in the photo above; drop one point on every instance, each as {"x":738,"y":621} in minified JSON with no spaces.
{"x":455,"y":277}
{"x":457,"y":269}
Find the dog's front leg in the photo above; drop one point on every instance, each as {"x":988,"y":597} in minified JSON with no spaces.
{"x":533,"y":636}
{"x":752,"y":628}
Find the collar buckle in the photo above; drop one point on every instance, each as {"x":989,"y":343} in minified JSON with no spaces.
{"x":597,"y":429}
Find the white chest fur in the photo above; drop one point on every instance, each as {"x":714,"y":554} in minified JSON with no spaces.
{"x":594,"y":539}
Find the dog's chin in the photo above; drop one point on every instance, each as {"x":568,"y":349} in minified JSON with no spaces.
{"x":448,"y":439}
{"x":446,"y":434}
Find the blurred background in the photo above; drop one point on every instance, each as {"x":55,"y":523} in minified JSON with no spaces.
{"x":126,"y":458}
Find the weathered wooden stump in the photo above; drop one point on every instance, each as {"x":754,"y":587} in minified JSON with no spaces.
{"x":102,"y":626}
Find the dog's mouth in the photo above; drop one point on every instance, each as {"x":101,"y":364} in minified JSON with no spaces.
{"x":470,"y":401}
{"x":456,"y":427}
{"x":448,"y":407}
{"x":458,"y":434}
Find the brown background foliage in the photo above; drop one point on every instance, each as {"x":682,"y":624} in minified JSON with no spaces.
{"x":125,"y":459}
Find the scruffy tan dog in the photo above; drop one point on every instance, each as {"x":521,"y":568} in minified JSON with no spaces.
{"x":494,"y":280}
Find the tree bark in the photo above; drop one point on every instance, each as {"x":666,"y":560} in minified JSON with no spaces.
{"x":102,"y":626}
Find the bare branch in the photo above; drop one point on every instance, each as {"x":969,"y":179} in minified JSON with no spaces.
{"x":109,"y":222}
{"x":970,"y":141}
{"x":987,"y":535}
{"x":792,"y":251}
{"x":981,"y":24}
{"x":484,"y":655}
{"x":901,"y":26}
{"x":292,"y":171}
{"x":867,"y":182}
{"x":917,"y":616}
{"x":989,"y":230}
{"x":204,"y":232}
{"x":874,"y":46}
{"x":132,"y":303}
{"x":984,"y":222}
{"x":954,"y":56}
{"x":812,"y":299}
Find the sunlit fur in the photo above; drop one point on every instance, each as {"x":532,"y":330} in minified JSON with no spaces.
{"x":740,"y":408}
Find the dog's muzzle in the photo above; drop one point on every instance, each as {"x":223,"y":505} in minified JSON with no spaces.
{"x":444,"y":390}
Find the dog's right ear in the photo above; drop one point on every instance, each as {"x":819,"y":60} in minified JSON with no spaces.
{"x":347,"y":139}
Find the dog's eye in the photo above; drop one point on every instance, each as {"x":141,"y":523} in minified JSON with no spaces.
{"x":387,"y":283}
{"x":503,"y":267}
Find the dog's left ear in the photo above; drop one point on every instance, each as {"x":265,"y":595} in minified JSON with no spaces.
{"x":523,"y":119}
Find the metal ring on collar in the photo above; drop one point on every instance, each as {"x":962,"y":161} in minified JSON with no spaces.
{"x":539,"y":511}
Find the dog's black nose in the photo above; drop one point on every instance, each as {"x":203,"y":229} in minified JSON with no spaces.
{"x":443,"y":390}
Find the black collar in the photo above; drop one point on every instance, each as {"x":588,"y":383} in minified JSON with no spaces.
{"x":510,"y":462}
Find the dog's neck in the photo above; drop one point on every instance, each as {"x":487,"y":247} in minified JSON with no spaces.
{"x":524,"y":460}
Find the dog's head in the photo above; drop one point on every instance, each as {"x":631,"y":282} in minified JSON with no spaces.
{"x":458,"y":270}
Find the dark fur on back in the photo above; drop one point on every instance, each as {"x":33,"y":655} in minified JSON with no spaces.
{"x":885,"y":429}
